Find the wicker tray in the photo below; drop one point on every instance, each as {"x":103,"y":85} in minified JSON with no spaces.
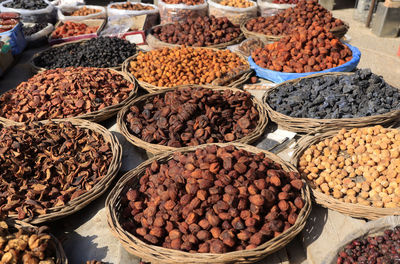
{"x":54,"y":244}
{"x":233,"y":81}
{"x":354,"y":210}
{"x":338,"y":32}
{"x":98,"y":189}
{"x":158,"y":254}
{"x":35,"y":68}
{"x":313,"y":125}
{"x":155,"y":43}
{"x":156,"y":149}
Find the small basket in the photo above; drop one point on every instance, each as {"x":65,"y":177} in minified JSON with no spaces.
{"x":157,"y":149}
{"x":155,"y":43}
{"x":158,"y":254}
{"x":313,"y":125}
{"x":54,"y":244}
{"x":338,"y":32}
{"x":232,"y":81}
{"x":98,"y":189}
{"x":353,"y":210}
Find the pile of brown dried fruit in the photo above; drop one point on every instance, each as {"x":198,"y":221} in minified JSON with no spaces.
{"x":306,"y":50}
{"x":47,"y":165}
{"x":186,"y":2}
{"x":85,"y":11}
{"x":237,"y":3}
{"x":132,"y":6}
{"x":198,"y":32}
{"x":358,"y":166}
{"x":193,"y":116}
{"x":61,"y":93}
{"x":214,"y":199}
{"x":170,"y":67}
{"x":304,"y":14}
{"x":22,"y":246}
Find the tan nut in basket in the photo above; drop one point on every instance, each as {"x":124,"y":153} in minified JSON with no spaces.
{"x":156,"y":148}
{"x":352,"y":209}
{"x":98,"y":189}
{"x":313,"y":125}
{"x":159,"y":254}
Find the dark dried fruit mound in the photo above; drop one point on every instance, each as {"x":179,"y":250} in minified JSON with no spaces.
{"x":213,"y":200}
{"x":360,"y":94}
{"x":28,"y":31}
{"x":193,"y":116}
{"x":102,"y":52}
{"x":306,"y":50}
{"x":199,"y":32}
{"x":44,"y":166}
{"x":303,"y":14}
{"x":384,"y":249}
{"x":27,"y":4}
{"x":65,"y":92}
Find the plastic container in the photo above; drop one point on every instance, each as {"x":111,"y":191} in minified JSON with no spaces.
{"x":17,"y":39}
{"x":361,"y":10}
{"x":62,"y":13}
{"x":45,"y":15}
{"x":234,"y":14}
{"x":180,"y":12}
{"x":267,"y":8}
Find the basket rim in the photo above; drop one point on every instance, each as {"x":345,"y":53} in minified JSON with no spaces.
{"x":328,"y":201}
{"x":156,"y":148}
{"x":306,"y":124}
{"x":152,"y":88}
{"x":55,"y":213}
{"x":243,"y":256}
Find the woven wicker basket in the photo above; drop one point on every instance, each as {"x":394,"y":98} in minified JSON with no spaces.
{"x":98,"y":189}
{"x":313,"y":125}
{"x":354,"y":210}
{"x":156,"y":149}
{"x":35,"y":68}
{"x":158,"y":254}
{"x":338,"y":32}
{"x":155,"y":43}
{"x":234,"y":81}
{"x":54,"y":245}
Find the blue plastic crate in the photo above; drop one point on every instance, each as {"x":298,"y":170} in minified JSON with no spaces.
{"x":17,"y":39}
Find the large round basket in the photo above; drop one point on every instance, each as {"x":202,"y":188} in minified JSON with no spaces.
{"x":313,"y":125}
{"x":98,"y":189}
{"x":158,"y":254}
{"x":240,"y":77}
{"x":36,"y":68}
{"x":338,"y":32}
{"x":155,"y":43}
{"x":111,"y":110}
{"x":156,"y":149}
{"x":54,"y":245}
{"x":354,"y":210}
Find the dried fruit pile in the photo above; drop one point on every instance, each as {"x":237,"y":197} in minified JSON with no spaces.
{"x":216,"y":199}
{"x":100,"y":52}
{"x":374,"y":249}
{"x":285,"y":1}
{"x":189,"y":117}
{"x":69,"y":29}
{"x":26,"y":4}
{"x":22,"y":246}
{"x":237,"y":3}
{"x":186,"y":2}
{"x":169,"y":67}
{"x":44,"y":166}
{"x":85,"y":11}
{"x":132,"y":6}
{"x":356,"y":166}
{"x":65,"y":92}
{"x":28,"y":31}
{"x":306,"y":50}
{"x":347,"y":96}
{"x":198,"y":32}
{"x":304,"y":14}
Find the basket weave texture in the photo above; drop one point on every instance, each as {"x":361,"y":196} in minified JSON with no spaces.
{"x":313,"y":125}
{"x":98,"y":189}
{"x":156,"y":149}
{"x":353,"y":210}
{"x":158,"y":254}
